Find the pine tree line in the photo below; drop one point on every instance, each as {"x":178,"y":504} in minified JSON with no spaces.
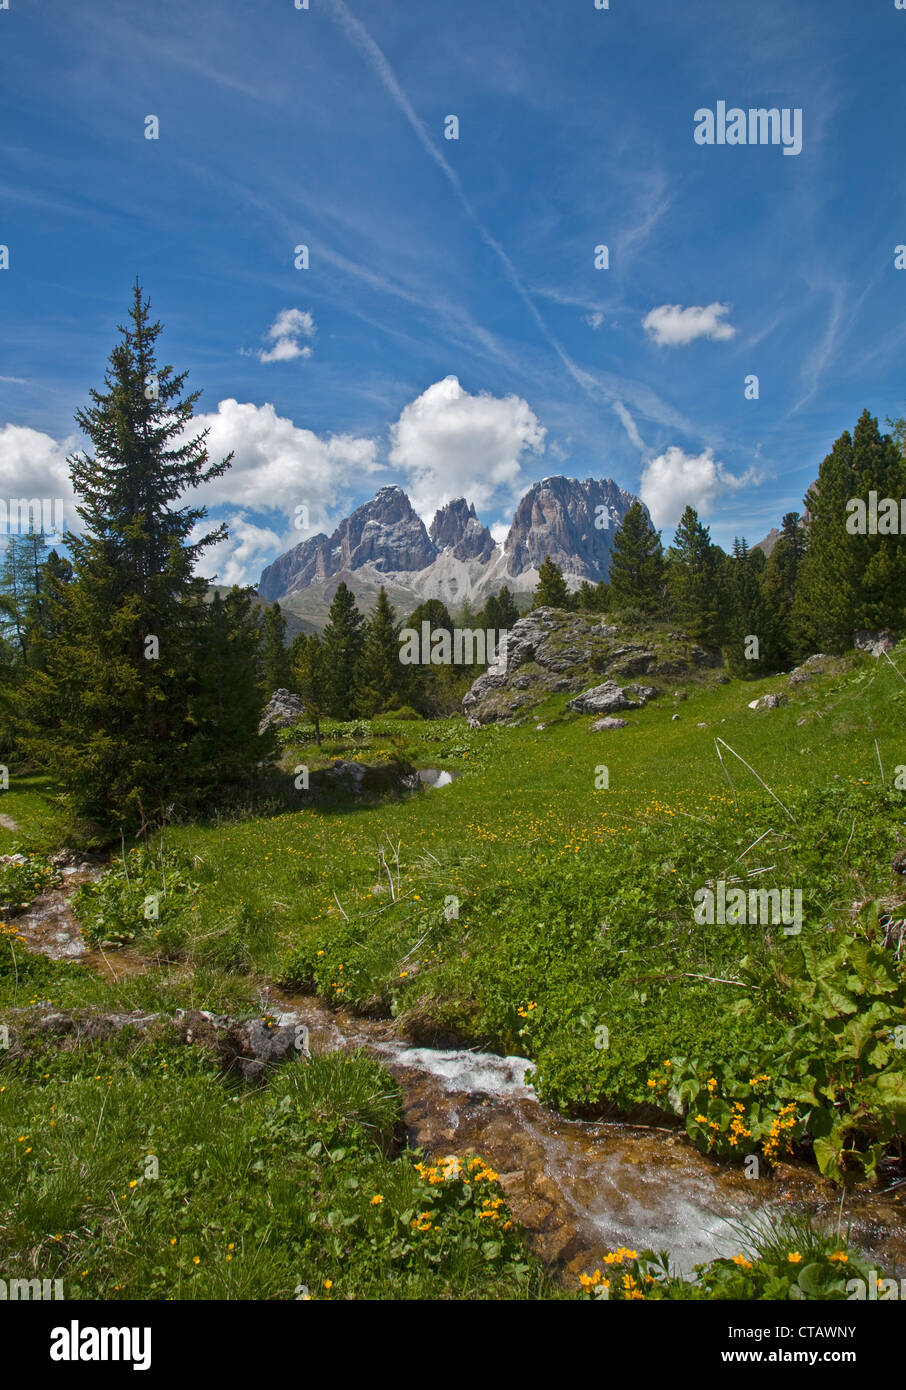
{"x":354,"y":669}
{"x":822,"y":582}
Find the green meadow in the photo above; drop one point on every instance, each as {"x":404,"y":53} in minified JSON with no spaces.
{"x":535,"y":906}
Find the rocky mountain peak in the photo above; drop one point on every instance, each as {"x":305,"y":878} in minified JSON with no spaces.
{"x":385,"y":532}
{"x":556,"y":518}
{"x":456,"y":528}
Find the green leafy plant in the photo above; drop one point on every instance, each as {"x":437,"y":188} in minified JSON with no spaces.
{"x":20,"y":883}
{"x":145,"y":893}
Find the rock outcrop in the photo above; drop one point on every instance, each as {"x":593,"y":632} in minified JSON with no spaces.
{"x":768,"y":702}
{"x":252,"y":1047}
{"x":602,"y":699}
{"x":550,"y":651}
{"x":283,"y":709}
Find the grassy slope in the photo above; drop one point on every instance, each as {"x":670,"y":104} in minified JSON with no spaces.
{"x":571,"y":899}
{"x":539,"y":860}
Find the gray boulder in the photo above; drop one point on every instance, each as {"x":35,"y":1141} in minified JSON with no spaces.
{"x":768,"y":702}
{"x":348,"y":775}
{"x":602,"y":699}
{"x":609,"y":723}
{"x":283,"y":709}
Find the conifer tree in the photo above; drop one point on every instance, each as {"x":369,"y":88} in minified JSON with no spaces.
{"x":226,"y":689}
{"x":692,"y":579}
{"x":342,"y":648}
{"x":881,"y":558}
{"x":592,"y":598}
{"x":20,"y":583}
{"x":500,"y":611}
{"x":748,"y":615}
{"x":380,"y":675}
{"x":274,"y":654}
{"x":779,"y":582}
{"x":551,"y":591}
{"x":433,"y":690}
{"x":636,"y":577}
{"x":507,"y":611}
{"x":118,"y":713}
{"x":434,"y":612}
{"x":310,"y":678}
{"x":824,"y":605}
{"x":489,"y":617}
{"x":467,"y":616}
{"x":849,"y":581}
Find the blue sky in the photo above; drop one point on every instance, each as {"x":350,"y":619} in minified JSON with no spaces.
{"x":452,"y":333}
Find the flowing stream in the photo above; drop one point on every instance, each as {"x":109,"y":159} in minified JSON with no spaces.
{"x":579,"y":1188}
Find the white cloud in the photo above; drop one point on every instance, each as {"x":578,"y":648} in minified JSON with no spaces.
{"x":629,"y":425}
{"x":451,"y":444}
{"x":670,"y":325}
{"x":287,"y":328}
{"x":499,"y":531}
{"x":594,"y":320}
{"x":277,"y":466}
{"x":33,"y":465}
{"x":676,"y":479}
{"x":242,"y":556}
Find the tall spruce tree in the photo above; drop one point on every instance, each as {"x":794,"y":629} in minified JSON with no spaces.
{"x":881,"y":558}
{"x":636,"y":577}
{"x":591,"y":598}
{"x":433,"y":690}
{"x":310,"y":678}
{"x":508,"y":613}
{"x":342,"y":648}
{"x":748,"y":613}
{"x":779,"y":582}
{"x":692,"y":579}
{"x":551,"y":591}
{"x":500,"y":611}
{"x":21,"y":585}
{"x":274,"y":653}
{"x":434,"y":612}
{"x":227,"y":690}
{"x":381,"y":680}
{"x":118,"y":713}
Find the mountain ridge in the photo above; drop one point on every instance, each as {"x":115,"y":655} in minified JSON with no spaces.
{"x":456,"y":559}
